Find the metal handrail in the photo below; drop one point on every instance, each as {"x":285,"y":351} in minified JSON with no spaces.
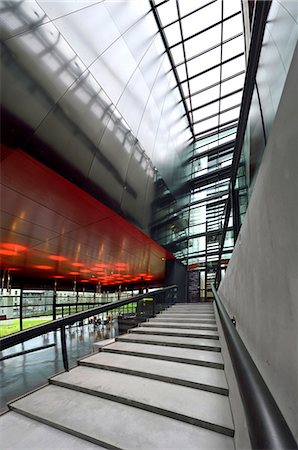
{"x":30,"y":333}
{"x":261,"y":14}
{"x":266,"y":425}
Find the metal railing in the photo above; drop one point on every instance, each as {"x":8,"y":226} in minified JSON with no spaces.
{"x":147,"y":305}
{"x":266,"y":425}
{"x":261,"y":13}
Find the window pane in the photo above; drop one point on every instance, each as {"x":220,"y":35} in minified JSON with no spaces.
{"x":204,"y":61}
{"x":200,"y":114}
{"x":202,"y":81}
{"x":201,"y":19}
{"x":168,"y":12}
{"x":232,"y":26}
{"x":202,"y":42}
{"x":233,"y":48}
{"x":232,"y":100}
{"x":173,"y":34}
{"x":233,"y":84}
{"x":232,"y":67}
{"x":205,"y":96}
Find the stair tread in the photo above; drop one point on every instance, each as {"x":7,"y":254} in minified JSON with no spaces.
{"x":174,"y":331}
{"x":160,"y":350}
{"x":163,"y":319}
{"x":193,"y":403}
{"x":179,"y":325}
{"x":116,"y":424}
{"x":186,"y":373}
{"x":22,"y":432}
{"x":178,"y":340}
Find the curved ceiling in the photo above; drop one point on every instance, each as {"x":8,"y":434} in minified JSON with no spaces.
{"x":52,"y":229}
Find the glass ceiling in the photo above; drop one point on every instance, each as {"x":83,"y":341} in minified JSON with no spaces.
{"x":205,"y":44}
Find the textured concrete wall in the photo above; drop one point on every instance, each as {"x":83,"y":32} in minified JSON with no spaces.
{"x":260,"y":287}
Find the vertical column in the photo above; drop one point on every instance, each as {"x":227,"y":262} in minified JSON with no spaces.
{"x":21,"y":308}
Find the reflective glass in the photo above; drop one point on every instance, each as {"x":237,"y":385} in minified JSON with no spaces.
{"x":232,"y":48}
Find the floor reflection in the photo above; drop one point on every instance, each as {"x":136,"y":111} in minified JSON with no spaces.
{"x":27,"y":372}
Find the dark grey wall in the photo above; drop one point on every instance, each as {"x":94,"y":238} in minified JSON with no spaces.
{"x":176,"y":273}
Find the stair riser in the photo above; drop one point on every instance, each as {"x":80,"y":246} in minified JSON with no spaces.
{"x":174,"y":319}
{"x":202,"y":336}
{"x":188,"y":327}
{"x":65,"y":429}
{"x":172,"y":344}
{"x":193,"y":362}
{"x":150,"y":408}
{"x":151,"y":376}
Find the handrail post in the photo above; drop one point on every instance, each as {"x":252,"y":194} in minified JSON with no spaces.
{"x":64,"y":348}
{"x":21,"y":309}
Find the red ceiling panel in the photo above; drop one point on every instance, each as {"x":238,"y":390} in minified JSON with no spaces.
{"x":50,"y":228}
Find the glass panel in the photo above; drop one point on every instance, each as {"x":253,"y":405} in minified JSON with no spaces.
{"x":205,"y":96}
{"x":204,"y":61}
{"x":232,"y":27}
{"x":202,"y":42}
{"x":173,"y":34}
{"x":168,"y":12}
{"x":201,"y":19}
{"x":232,"y":100}
{"x":233,"y":84}
{"x":202,"y":81}
{"x":209,"y":123}
{"x":230,"y":115}
{"x":187,"y":6}
{"x":234,"y":66}
{"x":231,"y":7}
{"x":233,"y":48}
{"x":200,"y":114}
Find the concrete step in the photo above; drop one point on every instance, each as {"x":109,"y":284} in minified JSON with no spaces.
{"x":184,"y":325}
{"x":20,"y":432}
{"x":197,"y":315}
{"x":115,"y":425}
{"x":165,"y":319}
{"x":199,"y":377}
{"x":172,"y":341}
{"x":206,"y":334}
{"x":191,"y":307}
{"x":175,"y":354}
{"x":178,"y":402}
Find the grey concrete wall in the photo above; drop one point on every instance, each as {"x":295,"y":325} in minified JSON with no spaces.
{"x":260,"y":287}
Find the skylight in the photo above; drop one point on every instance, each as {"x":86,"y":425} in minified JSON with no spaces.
{"x":205,"y":44}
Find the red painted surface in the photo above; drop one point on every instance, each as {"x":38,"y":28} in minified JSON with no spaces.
{"x":50,"y":228}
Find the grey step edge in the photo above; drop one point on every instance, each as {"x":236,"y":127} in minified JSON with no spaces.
{"x":152,"y":376}
{"x":202,"y":335}
{"x":173,"y":433}
{"x":197,"y":346}
{"x":150,"y":408}
{"x":193,"y":362}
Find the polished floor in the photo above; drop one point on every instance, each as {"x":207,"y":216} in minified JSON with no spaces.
{"x":24,"y":373}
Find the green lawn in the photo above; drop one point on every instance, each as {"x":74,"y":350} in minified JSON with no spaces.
{"x":13,"y":325}
{"x":10,"y":326}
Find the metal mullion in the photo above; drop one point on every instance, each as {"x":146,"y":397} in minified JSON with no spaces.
{"x":216,"y":114}
{"x":166,"y":44}
{"x":205,"y":29}
{"x":213,"y":67}
{"x":188,"y":14}
{"x":216,"y":84}
{"x":216,"y":129}
{"x":210,"y":48}
{"x":184,"y":55}
{"x":216,"y":100}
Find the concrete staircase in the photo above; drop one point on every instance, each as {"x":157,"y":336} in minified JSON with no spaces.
{"x":160,"y":386}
